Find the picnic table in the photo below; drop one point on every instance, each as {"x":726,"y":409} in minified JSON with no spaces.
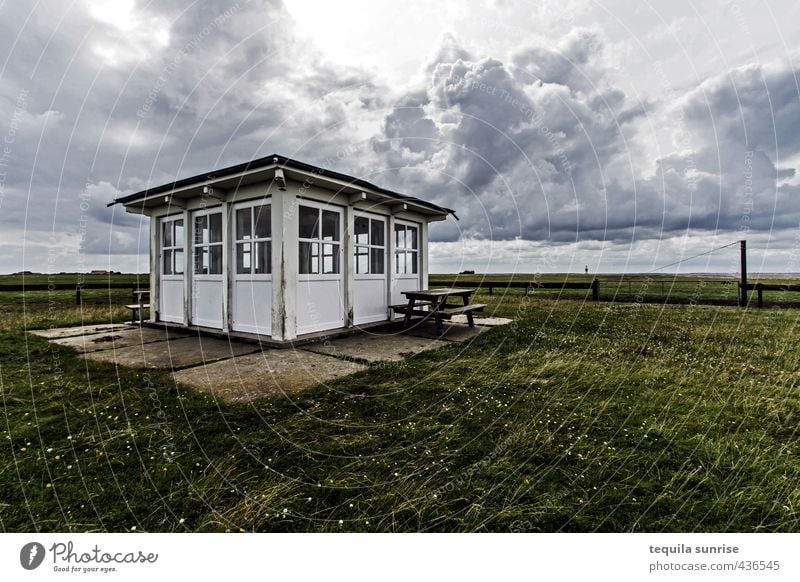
{"x":432,"y":303}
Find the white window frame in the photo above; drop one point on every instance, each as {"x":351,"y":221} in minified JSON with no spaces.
{"x":195,"y":246}
{"x":320,"y":206}
{"x":369,"y":246}
{"x":237,"y":240}
{"x":172,"y":219}
{"x":406,"y":250}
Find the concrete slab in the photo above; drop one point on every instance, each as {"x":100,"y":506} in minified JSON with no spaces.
{"x":116,"y":339}
{"x":177,"y":353}
{"x":60,"y":332}
{"x":252,"y":376}
{"x":452,"y":332}
{"x":373,"y":347}
{"x":485,"y":321}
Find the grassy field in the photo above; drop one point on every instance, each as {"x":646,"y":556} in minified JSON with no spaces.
{"x":655,"y":288}
{"x":577,"y":417}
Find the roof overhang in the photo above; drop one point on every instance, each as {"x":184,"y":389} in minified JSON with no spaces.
{"x":267,"y":170}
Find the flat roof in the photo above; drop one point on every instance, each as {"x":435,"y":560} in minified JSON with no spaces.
{"x":276,"y":161}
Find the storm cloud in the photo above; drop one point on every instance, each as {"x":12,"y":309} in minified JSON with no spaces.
{"x":541,"y":143}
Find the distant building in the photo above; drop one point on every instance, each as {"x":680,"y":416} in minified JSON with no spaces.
{"x":99,"y":272}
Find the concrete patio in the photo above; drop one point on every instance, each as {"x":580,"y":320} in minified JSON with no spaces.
{"x":241,"y":372}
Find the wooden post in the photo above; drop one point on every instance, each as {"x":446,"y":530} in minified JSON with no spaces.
{"x":760,"y":295}
{"x":595,"y":290}
{"x":743,"y":273}
{"x":78,"y":294}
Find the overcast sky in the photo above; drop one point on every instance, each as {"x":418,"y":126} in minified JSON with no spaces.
{"x":619,"y":135}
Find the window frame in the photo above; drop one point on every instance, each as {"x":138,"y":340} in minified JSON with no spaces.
{"x":405,"y":250}
{"x":370,"y":246}
{"x":163,"y":221}
{"x":237,"y":240}
{"x":320,"y":207}
{"x":208,"y":212}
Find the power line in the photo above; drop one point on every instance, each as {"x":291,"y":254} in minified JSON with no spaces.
{"x":693,"y":257}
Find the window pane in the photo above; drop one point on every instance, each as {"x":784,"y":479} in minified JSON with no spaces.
{"x":399,"y":263}
{"x":178,"y":238}
{"x":309,"y":222}
{"x":330,"y":259}
{"x":216,"y":227}
{"x":243,"y":224}
{"x":263,"y":221}
{"x":243,"y":258}
{"x":330,"y":225}
{"x":177,"y":267}
{"x":412,"y":263}
{"x":216,"y":260}
{"x":411,"y":237}
{"x":166,"y":234}
{"x":399,"y":236}
{"x":200,"y":229}
{"x":166,"y":266}
{"x":361,"y":230}
{"x":201,"y":261}
{"x":362,"y":260}
{"x":376,"y":266}
{"x":263,"y":260}
{"x":377,"y":233}
{"x":308,"y":258}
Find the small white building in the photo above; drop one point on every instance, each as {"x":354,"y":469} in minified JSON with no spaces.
{"x":279,"y":249}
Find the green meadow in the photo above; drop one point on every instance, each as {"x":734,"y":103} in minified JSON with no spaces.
{"x":578,"y":416}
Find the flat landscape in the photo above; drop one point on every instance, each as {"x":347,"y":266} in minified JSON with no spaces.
{"x":578,"y":416}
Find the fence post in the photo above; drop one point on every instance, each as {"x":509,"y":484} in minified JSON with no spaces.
{"x":760,"y":295}
{"x":78,"y":294}
{"x":595,"y":290}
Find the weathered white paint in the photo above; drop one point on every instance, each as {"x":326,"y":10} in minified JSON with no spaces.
{"x":207,"y":290}
{"x":207,"y":301}
{"x":284,"y":264}
{"x":405,"y":281}
{"x":284,"y":304}
{"x":170,"y":288}
{"x":251,"y":294}
{"x":321,"y":297}
{"x":155,"y":269}
{"x":370,"y":297}
{"x":349,"y":264}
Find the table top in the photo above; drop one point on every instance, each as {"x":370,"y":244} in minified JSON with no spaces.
{"x":436,"y":293}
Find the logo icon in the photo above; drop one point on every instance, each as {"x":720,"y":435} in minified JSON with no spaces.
{"x":31,"y":555}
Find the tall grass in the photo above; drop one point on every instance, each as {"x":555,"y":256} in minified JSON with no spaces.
{"x":576,"y":417}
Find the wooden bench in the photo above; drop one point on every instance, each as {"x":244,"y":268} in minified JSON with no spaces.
{"x":137,"y":309}
{"x":449,"y":312}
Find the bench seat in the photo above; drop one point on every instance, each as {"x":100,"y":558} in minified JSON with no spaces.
{"x":134,"y":307}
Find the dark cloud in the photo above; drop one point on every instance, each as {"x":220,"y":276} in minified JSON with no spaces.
{"x":545,"y":147}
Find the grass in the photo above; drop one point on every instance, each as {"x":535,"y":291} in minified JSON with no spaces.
{"x":577,"y":417}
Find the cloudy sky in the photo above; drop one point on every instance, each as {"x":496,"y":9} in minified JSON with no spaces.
{"x":619,"y":135}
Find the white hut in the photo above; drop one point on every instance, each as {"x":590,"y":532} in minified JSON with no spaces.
{"x":281,"y":250}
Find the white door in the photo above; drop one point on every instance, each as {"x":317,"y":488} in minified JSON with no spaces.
{"x":171,"y":261}
{"x":207,"y":284}
{"x":369,"y":260}
{"x":320,"y":285}
{"x":252,"y":268}
{"x":405,"y":262}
